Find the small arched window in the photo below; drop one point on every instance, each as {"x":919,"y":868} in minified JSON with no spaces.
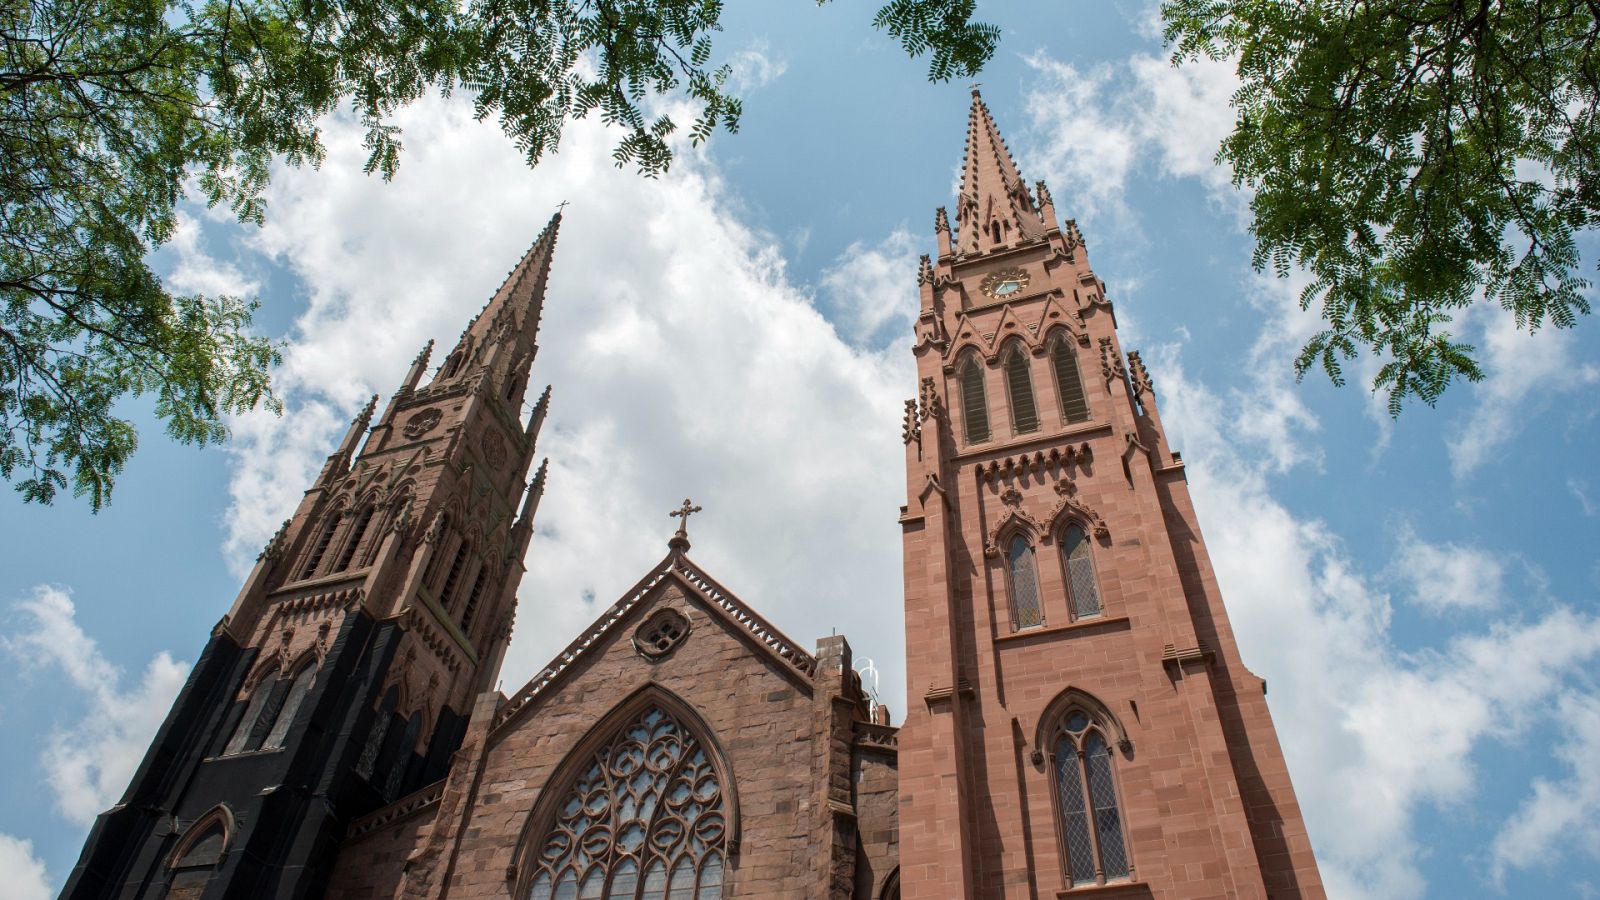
{"x":1086,"y":802}
{"x":476,"y":595}
{"x":1069,"y":384}
{"x":974,"y":404}
{"x":197,"y":854}
{"x":1019,"y":384}
{"x":291,"y":705}
{"x":357,"y":533}
{"x":645,"y":819}
{"x":1024,"y":581}
{"x":1083,"y":592}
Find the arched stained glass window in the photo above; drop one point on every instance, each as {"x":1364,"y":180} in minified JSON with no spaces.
{"x":1019,"y":384}
{"x":643,"y":821}
{"x":974,"y":404}
{"x":1024,"y":578}
{"x":1082,"y":590}
{"x":1069,"y":385}
{"x":1086,"y":793}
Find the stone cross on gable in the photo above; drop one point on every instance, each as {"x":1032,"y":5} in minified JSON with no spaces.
{"x":680,"y":540}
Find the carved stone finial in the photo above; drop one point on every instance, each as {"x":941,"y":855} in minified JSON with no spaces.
{"x":1043,"y":193}
{"x":925,"y":271}
{"x":680,"y":539}
{"x":941,"y":220}
{"x":422,"y":357}
{"x":932,"y":406}
{"x":1110,"y":362}
{"x":911,"y":428}
{"x":1141,"y":378}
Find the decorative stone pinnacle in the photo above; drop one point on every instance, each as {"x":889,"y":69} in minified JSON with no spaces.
{"x":427,"y":351}
{"x":680,"y":539}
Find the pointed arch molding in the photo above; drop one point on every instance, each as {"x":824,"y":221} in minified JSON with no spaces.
{"x":219,"y":814}
{"x":1068,"y":508}
{"x":1075,"y":698}
{"x":525,"y":856}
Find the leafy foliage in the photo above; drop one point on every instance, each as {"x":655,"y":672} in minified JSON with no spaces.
{"x":1415,"y":156}
{"x":109,"y":109}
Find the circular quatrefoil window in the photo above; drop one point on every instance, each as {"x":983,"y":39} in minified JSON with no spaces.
{"x":660,"y":633}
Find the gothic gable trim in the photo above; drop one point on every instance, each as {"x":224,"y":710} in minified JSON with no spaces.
{"x":1070,"y":509}
{"x":524,"y":855}
{"x":1016,"y":520}
{"x":1080,"y":699}
{"x":221,"y":815}
{"x":713,"y":597}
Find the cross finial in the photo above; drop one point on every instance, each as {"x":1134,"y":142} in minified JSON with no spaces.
{"x":680,"y":540}
{"x":562,"y":206}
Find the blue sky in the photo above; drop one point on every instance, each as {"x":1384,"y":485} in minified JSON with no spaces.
{"x":1421,"y":595}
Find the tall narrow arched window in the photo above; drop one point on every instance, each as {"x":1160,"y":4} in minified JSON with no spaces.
{"x":974,"y":404}
{"x":471,"y":609}
{"x":1086,"y":802}
{"x":1083,"y":592}
{"x":441,"y":540}
{"x":357,"y":532}
{"x":291,"y":705}
{"x":259,"y":715}
{"x":1069,"y":384}
{"x":1019,"y":385}
{"x":320,"y":548}
{"x":644,"y":819}
{"x":1024,"y":582}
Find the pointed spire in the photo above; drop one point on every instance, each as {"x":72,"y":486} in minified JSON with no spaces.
{"x":941,"y":230}
{"x":516,"y":307}
{"x":994,"y":208}
{"x":358,"y":427}
{"x":418,"y":366}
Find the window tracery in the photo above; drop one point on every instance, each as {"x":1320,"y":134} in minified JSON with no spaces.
{"x":1089,"y":815}
{"x":645,"y":820}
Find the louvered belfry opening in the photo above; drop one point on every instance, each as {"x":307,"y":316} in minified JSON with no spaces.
{"x":1019,"y":384}
{"x":1069,"y":384}
{"x":974,"y":403}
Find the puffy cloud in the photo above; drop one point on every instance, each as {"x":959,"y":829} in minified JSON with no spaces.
{"x":683,"y":359}
{"x":873,"y":289}
{"x":1524,"y":371}
{"x":1559,"y":815}
{"x":1446,"y":576}
{"x":89,"y":763}
{"x":1373,"y":734}
{"x":24,"y":877}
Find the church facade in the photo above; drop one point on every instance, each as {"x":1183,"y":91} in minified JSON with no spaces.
{"x":1079,"y":722}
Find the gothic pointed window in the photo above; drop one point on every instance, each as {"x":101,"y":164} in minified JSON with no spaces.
{"x":1083,"y":592}
{"x":1069,"y":385}
{"x":441,"y":538}
{"x":1086,"y":802}
{"x":1024,"y":414}
{"x":453,"y":578}
{"x":357,"y":533}
{"x":643,"y":820}
{"x":291,"y":705}
{"x":974,"y":404}
{"x":473,"y":598}
{"x":258,"y":717}
{"x":1024,"y":579}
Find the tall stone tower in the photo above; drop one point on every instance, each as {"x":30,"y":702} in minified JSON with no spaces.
{"x":345,"y":671}
{"x":1078,"y":717}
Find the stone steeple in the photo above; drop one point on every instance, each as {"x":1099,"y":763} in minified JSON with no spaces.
{"x":1078,"y":716}
{"x":994,"y":208}
{"x":344,"y":673}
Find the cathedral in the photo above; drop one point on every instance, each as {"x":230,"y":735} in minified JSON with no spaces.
{"x":1078,"y":719}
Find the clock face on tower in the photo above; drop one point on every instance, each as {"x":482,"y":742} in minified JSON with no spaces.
{"x":1004,"y":283}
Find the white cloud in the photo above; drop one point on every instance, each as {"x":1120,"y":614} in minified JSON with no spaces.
{"x":1373,"y":735}
{"x":1078,"y":141}
{"x":1524,"y":372}
{"x":1560,"y":815}
{"x":195,"y":271}
{"x":24,"y":876}
{"x":683,"y":362}
{"x":1448,"y":576}
{"x":873,"y":288}
{"x":89,"y":763}
{"x":1580,"y":490}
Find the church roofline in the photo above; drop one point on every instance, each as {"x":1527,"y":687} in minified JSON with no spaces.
{"x":718,"y":599}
